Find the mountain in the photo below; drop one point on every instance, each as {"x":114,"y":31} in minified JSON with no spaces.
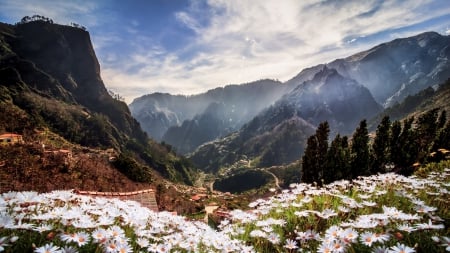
{"x":188,"y":121}
{"x":278,"y":135}
{"x":393,"y":70}
{"x":414,"y":105}
{"x":390,"y":71}
{"x":50,"y":79}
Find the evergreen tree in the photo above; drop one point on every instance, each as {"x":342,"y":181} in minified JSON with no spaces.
{"x":427,"y":127}
{"x":394,"y":144}
{"x":360,"y":151}
{"x":337,"y":163}
{"x":314,"y":159}
{"x":322,"y":148}
{"x":442,"y":120}
{"x":309,"y":161}
{"x":442,"y":140}
{"x":407,"y":145}
{"x":380,"y":149}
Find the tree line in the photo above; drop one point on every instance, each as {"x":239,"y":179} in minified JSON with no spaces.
{"x":28,"y":19}
{"x":397,"y":146}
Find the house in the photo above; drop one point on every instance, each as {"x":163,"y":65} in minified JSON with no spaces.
{"x":10,"y":138}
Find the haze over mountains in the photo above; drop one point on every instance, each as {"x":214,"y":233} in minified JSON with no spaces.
{"x":343,"y":92}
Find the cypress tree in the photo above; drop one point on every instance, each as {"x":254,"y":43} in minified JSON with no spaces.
{"x":360,"y":151}
{"x":322,"y":148}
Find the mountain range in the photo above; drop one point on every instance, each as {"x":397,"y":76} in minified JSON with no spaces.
{"x":268,"y":121}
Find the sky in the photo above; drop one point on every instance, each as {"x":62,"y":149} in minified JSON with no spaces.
{"x":188,"y":47}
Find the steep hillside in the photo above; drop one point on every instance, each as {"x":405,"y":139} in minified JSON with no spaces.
{"x":396,"y":69}
{"x":414,"y":105}
{"x":176,"y":119}
{"x":50,"y":78}
{"x":278,"y":135}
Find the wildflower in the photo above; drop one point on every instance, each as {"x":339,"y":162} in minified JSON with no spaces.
{"x":126,"y":248}
{"x":380,"y":249}
{"x":290,"y":244}
{"x":69,"y":249}
{"x":82,"y":238}
{"x":349,"y":235}
{"x":406,"y":228}
{"x":142,"y":242}
{"x":43,"y":228}
{"x":274,"y":238}
{"x":381,"y":237}
{"x":425,"y":209}
{"x":327,"y":213}
{"x":401,"y":248}
{"x":445,"y":242}
{"x":257,"y":233}
{"x":429,"y":225}
{"x":325,"y":248}
{"x":99,"y":235}
{"x":115,"y":231}
{"x":333,"y":232}
{"x":69,"y":237}
{"x":3,"y":243}
{"x":367,"y":238}
{"x":48,"y":248}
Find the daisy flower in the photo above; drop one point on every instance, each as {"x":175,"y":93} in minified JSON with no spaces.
{"x":401,"y":248}
{"x":290,"y":244}
{"x":48,"y":248}
{"x":445,"y":242}
{"x":367,"y":238}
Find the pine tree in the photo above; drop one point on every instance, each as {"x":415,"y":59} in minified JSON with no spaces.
{"x":309,"y":161}
{"x":314,"y":159}
{"x":427,"y":127}
{"x":407,"y":145}
{"x":380,"y":155}
{"x":337,"y":160}
{"x":394,"y":144}
{"x":322,"y":148}
{"x":360,"y":151}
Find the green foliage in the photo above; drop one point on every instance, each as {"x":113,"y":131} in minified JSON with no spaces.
{"x":132,"y":169}
{"x":338,"y":160}
{"x":380,"y":155}
{"x":314,"y":160}
{"x":243,"y":181}
{"x":360,"y":151}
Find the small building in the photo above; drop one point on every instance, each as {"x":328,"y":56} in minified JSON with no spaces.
{"x":10,"y":138}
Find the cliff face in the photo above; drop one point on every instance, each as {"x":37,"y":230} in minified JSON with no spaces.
{"x":59,"y":62}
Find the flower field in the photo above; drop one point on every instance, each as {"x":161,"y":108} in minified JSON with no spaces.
{"x":381,"y":213}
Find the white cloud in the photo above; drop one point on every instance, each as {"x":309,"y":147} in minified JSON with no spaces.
{"x":238,"y":41}
{"x":243,"y":41}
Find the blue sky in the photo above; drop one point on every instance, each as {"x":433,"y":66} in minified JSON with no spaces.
{"x":188,"y":47}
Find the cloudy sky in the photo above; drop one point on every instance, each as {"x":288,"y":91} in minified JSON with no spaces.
{"x":188,"y":47}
